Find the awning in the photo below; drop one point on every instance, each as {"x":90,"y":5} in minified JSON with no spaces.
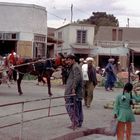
{"x":81,"y":46}
{"x":137,"y":50}
{"x":50,"y":44}
{"x":81,"y":50}
{"x":119,"y":51}
{"x":54,"y":40}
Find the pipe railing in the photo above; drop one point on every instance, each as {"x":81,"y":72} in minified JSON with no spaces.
{"x":23,"y":111}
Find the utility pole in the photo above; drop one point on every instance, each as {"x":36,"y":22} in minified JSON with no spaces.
{"x":71,"y":13}
{"x":128,"y":22}
{"x":128,"y":62}
{"x":129,"y":53}
{"x":129,"y":67}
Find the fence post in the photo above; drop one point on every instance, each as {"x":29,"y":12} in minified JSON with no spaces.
{"x":49,"y":109}
{"x":21,"y":123}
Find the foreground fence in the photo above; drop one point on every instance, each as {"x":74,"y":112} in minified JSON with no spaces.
{"x":15,"y":113}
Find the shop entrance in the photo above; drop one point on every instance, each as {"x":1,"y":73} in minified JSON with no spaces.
{"x":136,"y":60}
{"x":103,"y":60}
{"x":7,"y":46}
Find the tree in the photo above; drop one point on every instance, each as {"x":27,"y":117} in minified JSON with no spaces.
{"x":101,"y":19}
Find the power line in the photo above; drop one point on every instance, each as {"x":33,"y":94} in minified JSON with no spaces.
{"x":56,"y":16}
{"x":64,"y":19}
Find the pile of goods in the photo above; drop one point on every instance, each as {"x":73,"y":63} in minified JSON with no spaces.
{"x":135,"y":107}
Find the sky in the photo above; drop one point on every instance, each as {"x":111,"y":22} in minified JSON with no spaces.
{"x":59,"y":11}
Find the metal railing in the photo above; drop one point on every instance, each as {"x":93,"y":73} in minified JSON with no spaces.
{"x":22,"y":111}
{"x":113,"y":44}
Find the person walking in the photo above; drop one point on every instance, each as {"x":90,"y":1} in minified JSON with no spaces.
{"x":136,"y":83}
{"x":81,"y":60}
{"x":90,"y":81}
{"x":64,"y":71}
{"x":110,"y":75}
{"x":123,"y":111}
{"x":12,"y":57}
{"x":74,"y":85}
{"x":84,"y":68}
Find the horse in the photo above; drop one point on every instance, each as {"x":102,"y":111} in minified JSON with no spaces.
{"x":37,"y":67}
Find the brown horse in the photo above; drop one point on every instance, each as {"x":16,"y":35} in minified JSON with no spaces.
{"x":41,"y":67}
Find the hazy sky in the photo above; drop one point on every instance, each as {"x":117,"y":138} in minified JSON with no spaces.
{"x":59,"y":11}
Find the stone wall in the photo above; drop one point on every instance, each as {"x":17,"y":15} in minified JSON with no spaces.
{"x":24,"y":48}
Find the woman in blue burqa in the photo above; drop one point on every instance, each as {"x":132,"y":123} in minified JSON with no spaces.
{"x":110,"y":75}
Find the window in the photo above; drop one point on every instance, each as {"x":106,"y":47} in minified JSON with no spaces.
{"x":120,"y":32}
{"x":13,"y":36}
{"x":9,"y":36}
{"x":114,"y":35}
{"x":1,"y":35}
{"x":39,"y":38}
{"x":81,"y":36}
{"x":60,"y":35}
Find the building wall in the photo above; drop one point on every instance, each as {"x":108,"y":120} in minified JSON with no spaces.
{"x":69,"y":36}
{"x":129,"y":38}
{"x":26,"y":36}
{"x":129,"y":34}
{"x":24,"y":48}
{"x":65,"y":37}
{"x":25,"y":19}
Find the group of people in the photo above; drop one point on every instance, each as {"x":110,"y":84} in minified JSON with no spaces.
{"x":6,"y":64}
{"x":80,"y":84}
{"x":79,"y":87}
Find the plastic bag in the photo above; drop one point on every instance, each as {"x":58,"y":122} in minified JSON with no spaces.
{"x":113,"y":127}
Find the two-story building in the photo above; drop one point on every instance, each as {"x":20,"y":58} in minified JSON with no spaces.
{"x":51,"y":41}
{"x":122,"y":43}
{"x":77,"y":39}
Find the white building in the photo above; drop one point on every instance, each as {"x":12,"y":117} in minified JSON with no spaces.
{"x":77,"y":39}
{"x":23,"y":28}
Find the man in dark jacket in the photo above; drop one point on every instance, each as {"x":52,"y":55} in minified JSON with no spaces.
{"x":74,"y":85}
{"x":90,"y":84}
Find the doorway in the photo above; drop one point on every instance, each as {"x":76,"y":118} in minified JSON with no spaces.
{"x":7,"y":46}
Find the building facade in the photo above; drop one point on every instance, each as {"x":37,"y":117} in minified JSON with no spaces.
{"x":77,"y":39}
{"x":122,"y":43}
{"x":23,"y":28}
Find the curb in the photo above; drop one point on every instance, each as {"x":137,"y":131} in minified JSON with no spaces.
{"x":83,"y":133}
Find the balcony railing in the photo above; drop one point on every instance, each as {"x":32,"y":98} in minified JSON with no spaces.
{"x":81,"y":45}
{"x":111,"y":44}
{"x":108,"y":44}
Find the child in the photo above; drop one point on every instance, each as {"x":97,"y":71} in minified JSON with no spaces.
{"x":123,"y":112}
